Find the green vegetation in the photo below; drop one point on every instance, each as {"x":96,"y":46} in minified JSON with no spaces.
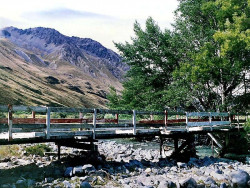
{"x":9,"y":151}
{"x":196,"y":66}
{"x":38,"y":149}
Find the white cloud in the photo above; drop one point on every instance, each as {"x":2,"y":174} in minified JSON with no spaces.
{"x":104,"y":21}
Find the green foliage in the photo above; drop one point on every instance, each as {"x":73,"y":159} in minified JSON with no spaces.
{"x":197,"y":66}
{"x":38,"y":149}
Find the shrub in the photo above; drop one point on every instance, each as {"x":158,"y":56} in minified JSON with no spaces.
{"x":9,"y":151}
{"x":38,"y":149}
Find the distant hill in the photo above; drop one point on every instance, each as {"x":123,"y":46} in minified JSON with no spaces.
{"x":40,"y":66}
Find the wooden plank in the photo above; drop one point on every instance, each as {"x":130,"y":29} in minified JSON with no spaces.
{"x":82,"y":126}
{"x":20,"y":130}
{"x":2,"y":130}
{"x":3,"y":108}
{"x":94,"y":122}
{"x":220,"y":114}
{"x":48,"y":123}
{"x":134,"y":122}
{"x":29,"y":108}
{"x":192,"y":124}
{"x":10,"y":121}
{"x":4,"y":121}
{"x":29,"y":126}
{"x":198,"y":114}
{"x":71,"y":110}
{"x":166,"y":119}
{"x":113,"y":125}
{"x":150,"y":125}
{"x":215,"y":140}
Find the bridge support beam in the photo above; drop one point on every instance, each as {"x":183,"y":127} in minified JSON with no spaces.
{"x":58,"y":151}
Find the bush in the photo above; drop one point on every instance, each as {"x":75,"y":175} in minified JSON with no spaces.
{"x":38,"y":149}
{"x":9,"y":151}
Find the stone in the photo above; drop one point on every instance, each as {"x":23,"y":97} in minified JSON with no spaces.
{"x":217,"y":176}
{"x":239,"y":178}
{"x":148,"y":170}
{"x":49,"y":180}
{"x":78,"y":170}
{"x":21,"y":183}
{"x":88,"y":168}
{"x":189,"y":182}
{"x":67,"y":184}
{"x":181,"y":165}
{"x":223,"y":185}
{"x":209,"y":181}
{"x":69,"y":172}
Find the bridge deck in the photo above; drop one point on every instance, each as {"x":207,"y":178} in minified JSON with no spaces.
{"x":46,"y":129}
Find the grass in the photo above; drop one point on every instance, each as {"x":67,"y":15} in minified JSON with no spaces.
{"x":38,"y":149}
{"x":9,"y":151}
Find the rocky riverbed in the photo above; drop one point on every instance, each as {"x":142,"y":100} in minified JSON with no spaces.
{"x":120,"y":165}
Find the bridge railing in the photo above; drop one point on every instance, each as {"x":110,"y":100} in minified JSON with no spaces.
{"x":47,"y":126}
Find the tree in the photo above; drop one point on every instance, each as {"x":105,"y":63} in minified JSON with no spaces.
{"x":196,"y":66}
{"x":152,"y":62}
{"x":211,"y":67}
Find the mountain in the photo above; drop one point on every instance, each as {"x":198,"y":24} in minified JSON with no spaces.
{"x":40,"y":66}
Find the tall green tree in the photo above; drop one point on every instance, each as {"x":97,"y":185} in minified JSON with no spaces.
{"x":218,"y":54}
{"x":152,"y":61}
{"x":197,"y":66}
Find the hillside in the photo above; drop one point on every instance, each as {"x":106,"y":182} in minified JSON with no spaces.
{"x":40,"y":66}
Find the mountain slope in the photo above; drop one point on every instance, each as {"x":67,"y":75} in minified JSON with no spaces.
{"x":40,"y":66}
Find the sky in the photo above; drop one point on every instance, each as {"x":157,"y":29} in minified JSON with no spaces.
{"x":105,"y":21}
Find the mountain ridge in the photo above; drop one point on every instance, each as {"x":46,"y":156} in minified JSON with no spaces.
{"x":62,"y":64}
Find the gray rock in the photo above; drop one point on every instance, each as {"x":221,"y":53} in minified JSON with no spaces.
{"x":88,"y":168}
{"x":67,"y":184}
{"x":239,"y":178}
{"x":69,"y":172}
{"x":78,"y":170}
{"x":181,"y":165}
{"x":223,"y":185}
{"x":217,"y":176}
{"x":209,"y":181}
{"x":189,"y":182}
{"x":49,"y":180}
{"x":21,"y":183}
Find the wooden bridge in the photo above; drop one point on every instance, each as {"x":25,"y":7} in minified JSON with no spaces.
{"x":88,"y":125}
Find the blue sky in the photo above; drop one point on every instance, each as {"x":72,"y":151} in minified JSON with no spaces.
{"x":102,"y":20}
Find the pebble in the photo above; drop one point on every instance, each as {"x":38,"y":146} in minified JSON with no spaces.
{"x":129,"y":167}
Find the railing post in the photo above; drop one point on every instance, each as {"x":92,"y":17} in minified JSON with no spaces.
{"x":48,"y":123}
{"x":134,"y":122}
{"x":187,"y":121}
{"x":238,"y":121}
{"x":117,"y":118}
{"x":10,"y":121}
{"x":210,"y":121}
{"x":166,"y":119}
{"x":33,"y":114}
{"x":230,"y":119}
{"x":94,"y":123}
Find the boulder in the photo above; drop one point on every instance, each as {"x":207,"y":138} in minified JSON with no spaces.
{"x":88,"y":168}
{"x":189,"y":182}
{"x":239,"y":178}
{"x":69,"y":172}
{"x":181,"y":165}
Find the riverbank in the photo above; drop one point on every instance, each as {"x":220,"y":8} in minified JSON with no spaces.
{"x":119,"y":165}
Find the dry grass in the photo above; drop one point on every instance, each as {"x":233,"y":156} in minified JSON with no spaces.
{"x":23,"y":83}
{"x":9,"y":151}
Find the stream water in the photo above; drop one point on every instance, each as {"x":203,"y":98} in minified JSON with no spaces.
{"x":202,"y":151}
